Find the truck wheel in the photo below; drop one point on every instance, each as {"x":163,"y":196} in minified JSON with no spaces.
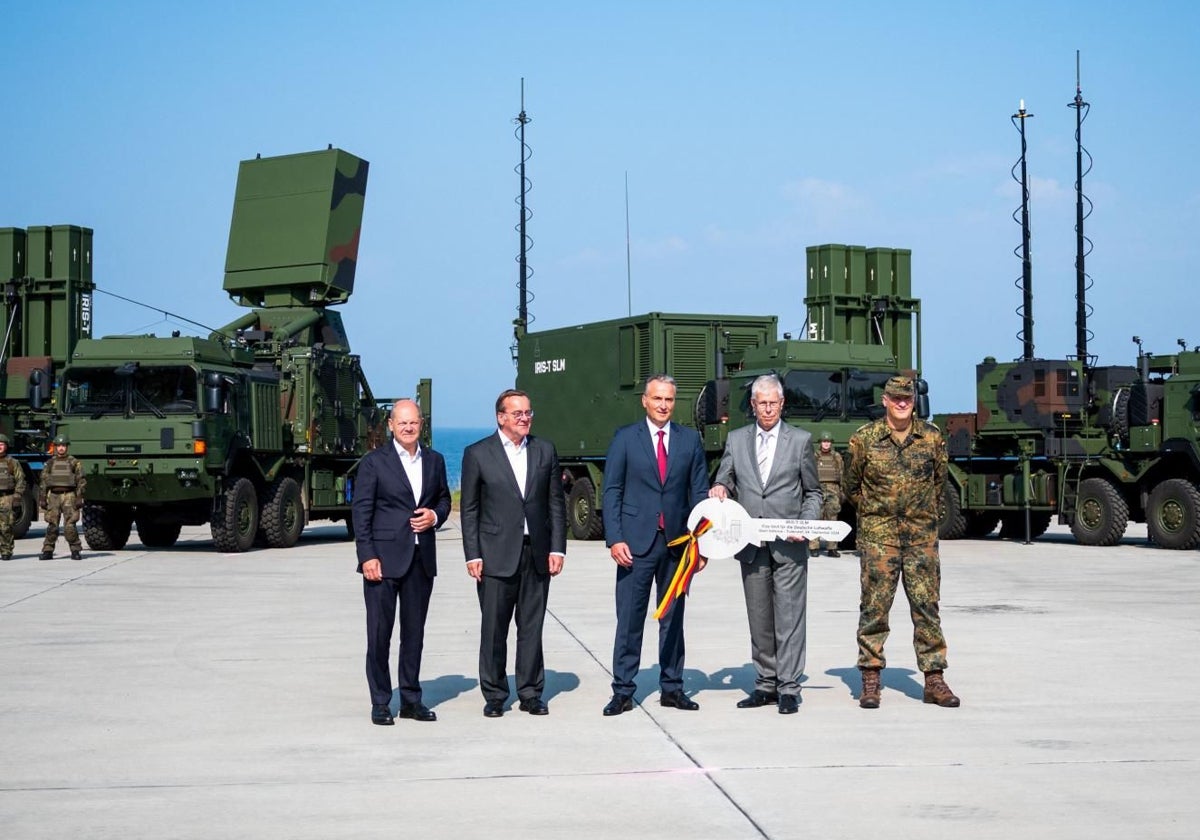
{"x":105,"y":527}
{"x":157,"y":534}
{"x":283,"y":514}
{"x":981,"y":523}
{"x":582,"y":514}
{"x":1101,"y":514}
{"x":954,"y":522}
{"x":1012,"y":525}
{"x":235,"y":518}
{"x":1173,"y":515}
{"x":25,"y":510}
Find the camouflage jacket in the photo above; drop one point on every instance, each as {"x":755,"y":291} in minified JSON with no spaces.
{"x":897,"y":488}
{"x":76,"y":470}
{"x":13,"y":467}
{"x":829,"y":471}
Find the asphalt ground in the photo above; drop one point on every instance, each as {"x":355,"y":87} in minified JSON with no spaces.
{"x":184,"y":693}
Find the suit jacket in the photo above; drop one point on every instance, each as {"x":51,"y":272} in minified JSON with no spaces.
{"x":494,"y":509}
{"x":633,"y":494}
{"x":792,"y":490}
{"x":383,"y":503}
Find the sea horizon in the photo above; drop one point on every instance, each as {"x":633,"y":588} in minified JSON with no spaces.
{"x":450,"y":441}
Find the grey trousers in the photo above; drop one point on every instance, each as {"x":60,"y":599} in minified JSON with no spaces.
{"x":776,"y":589}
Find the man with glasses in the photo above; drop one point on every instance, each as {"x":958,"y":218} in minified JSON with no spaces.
{"x":400,"y":497}
{"x":770,"y":469}
{"x":514,"y":527}
{"x":895,"y":480}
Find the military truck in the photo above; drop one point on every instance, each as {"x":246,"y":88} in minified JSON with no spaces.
{"x":586,"y":380}
{"x":1095,"y":446}
{"x":258,"y":428}
{"x":46,"y":310}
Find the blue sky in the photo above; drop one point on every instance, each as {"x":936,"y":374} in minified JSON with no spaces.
{"x":748,"y":131}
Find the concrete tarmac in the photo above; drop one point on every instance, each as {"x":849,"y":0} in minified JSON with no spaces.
{"x":184,"y":693}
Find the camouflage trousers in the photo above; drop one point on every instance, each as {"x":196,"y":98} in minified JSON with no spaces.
{"x":6,"y":524}
{"x":64,"y":506}
{"x":882,"y":567}
{"x":831,"y":508}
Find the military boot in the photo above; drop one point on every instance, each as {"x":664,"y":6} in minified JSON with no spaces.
{"x":5,"y":557}
{"x":76,"y":554}
{"x":833,"y":552}
{"x":46,"y":555}
{"x":936,"y":691}
{"x":869,"y":699}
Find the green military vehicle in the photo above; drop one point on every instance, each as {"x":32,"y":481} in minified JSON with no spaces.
{"x":46,"y":309}
{"x":1096,"y":447}
{"x":257,"y":428}
{"x":585,"y":381}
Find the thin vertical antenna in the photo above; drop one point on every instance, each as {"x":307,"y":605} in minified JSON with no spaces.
{"x":1083,"y":245}
{"x":628,"y":262}
{"x":1026,"y":308}
{"x":521,"y":324}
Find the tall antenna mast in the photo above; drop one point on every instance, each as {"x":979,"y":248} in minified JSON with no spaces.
{"x":521,"y":324}
{"x":628,"y":262}
{"x":1083,"y":245}
{"x":1026,"y":308}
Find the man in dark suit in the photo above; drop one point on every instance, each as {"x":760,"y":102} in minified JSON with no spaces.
{"x":514,"y":525}
{"x":400,"y":497}
{"x":655,"y":475}
{"x":771,"y":470}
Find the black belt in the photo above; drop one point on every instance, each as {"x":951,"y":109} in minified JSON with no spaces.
{"x":62,"y":489}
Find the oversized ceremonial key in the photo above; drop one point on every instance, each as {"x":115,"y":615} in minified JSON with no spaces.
{"x":733,"y":528}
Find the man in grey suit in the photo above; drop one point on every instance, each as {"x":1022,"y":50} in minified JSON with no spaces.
{"x":771,"y":470}
{"x":514,"y":526}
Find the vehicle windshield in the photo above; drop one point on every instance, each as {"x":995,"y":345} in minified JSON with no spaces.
{"x":130,"y":390}
{"x":830,"y":394}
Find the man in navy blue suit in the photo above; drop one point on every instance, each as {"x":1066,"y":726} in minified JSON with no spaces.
{"x":655,"y":475}
{"x":400,"y":496}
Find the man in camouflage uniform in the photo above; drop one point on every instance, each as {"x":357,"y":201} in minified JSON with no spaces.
{"x":12,"y":489}
{"x":895,"y":480}
{"x":61,"y":494}
{"x":829,"y":473}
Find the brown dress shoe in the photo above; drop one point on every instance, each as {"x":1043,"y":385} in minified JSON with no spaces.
{"x":869,"y":699}
{"x":936,"y":691}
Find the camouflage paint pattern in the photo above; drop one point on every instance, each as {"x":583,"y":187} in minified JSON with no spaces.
{"x":829,"y":472}
{"x":881,"y":568}
{"x":62,"y":505}
{"x":897,"y":487}
{"x":13,"y":468}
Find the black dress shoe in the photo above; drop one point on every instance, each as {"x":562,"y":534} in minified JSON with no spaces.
{"x":758,"y":698}
{"x":678,"y":700}
{"x":381,"y":716}
{"x":618,"y":704}
{"x":493,"y":708}
{"x":417,"y":711}
{"x":534,"y":706}
{"x":789,"y":704}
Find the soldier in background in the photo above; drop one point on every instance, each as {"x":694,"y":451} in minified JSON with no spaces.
{"x":895,"y":480}
{"x":12,"y":489}
{"x":829,"y":473}
{"x":61,"y":494}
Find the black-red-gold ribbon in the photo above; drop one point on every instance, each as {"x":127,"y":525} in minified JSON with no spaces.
{"x":687,"y":567}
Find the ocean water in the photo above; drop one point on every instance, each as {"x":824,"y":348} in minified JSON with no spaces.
{"x":451,"y":443}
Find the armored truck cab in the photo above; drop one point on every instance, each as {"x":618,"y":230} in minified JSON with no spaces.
{"x":259,"y":427}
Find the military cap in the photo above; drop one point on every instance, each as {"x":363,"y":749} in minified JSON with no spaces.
{"x":826,"y":436}
{"x":62,"y":440}
{"x":899,"y":386}
{"x":4,"y":439}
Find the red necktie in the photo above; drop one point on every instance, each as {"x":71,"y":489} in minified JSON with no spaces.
{"x":662,"y":467}
{"x":662,"y":457}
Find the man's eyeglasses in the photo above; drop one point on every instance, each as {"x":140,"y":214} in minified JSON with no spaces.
{"x":517,"y":415}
